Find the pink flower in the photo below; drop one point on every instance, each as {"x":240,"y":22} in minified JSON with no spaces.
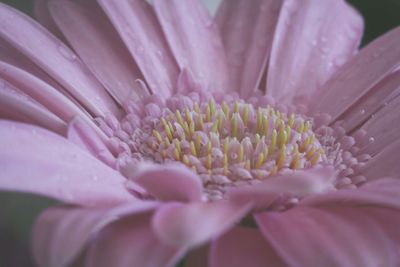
{"x":261,"y":138}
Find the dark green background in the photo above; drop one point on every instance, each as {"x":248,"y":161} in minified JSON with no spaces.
{"x":17,"y":211}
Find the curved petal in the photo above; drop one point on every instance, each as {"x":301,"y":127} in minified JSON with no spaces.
{"x":138,"y":27}
{"x":42,"y":14}
{"x":276,"y":189}
{"x":131,"y":242}
{"x":243,"y":247}
{"x":247,"y":28}
{"x":93,"y":37}
{"x":359,"y":75}
{"x":55,"y":58}
{"x":61,"y":234}
{"x":369,"y":105}
{"x":335,"y":234}
{"x":17,"y":106}
{"x":193,"y":224}
{"x":169,"y":182}
{"x":310,"y":38}
{"x":194,"y":41}
{"x":37,"y":161}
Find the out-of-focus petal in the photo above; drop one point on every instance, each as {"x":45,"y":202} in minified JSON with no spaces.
{"x":247,"y":28}
{"x":42,"y":14}
{"x":37,"y":161}
{"x":169,"y":182}
{"x":131,"y":242}
{"x":311,"y":39}
{"x":56,"y":59}
{"x":359,"y":75}
{"x":15,"y":105}
{"x":377,"y":98}
{"x":139,"y":29}
{"x":194,"y":41}
{"x":61,"y":234}
{"x":95,"y":40}
{"x":296,"y":184}
{"x":198,"y":257}
{"x":243,"y":247}
{"x":195,"y":223}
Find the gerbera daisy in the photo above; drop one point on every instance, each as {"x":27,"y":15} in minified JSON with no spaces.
{"x":260,"y":137}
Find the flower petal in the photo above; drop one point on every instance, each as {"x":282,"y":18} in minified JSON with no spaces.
{"x":55,"y":58}
{"x":194,"y":41}
{"x":296,"y":184}
{"x":377,"y":98}
{"x":197,"y":257}
{"x":17,"y":106}
{"x":131,"y":242}
{"x":247,"y":28}
{"x":334,"y":233}
{"x":138,"y":27}
{"x":193,"y":224}
{"x":37,"y":161}
{"x":243,"y":247}
{"x":309,"y":37}
{"x":169,"y":182}
{"x":61,"y":234}
{"x":359,"y":75}
{"x":42,"y":14}
{"x":93,"y":37}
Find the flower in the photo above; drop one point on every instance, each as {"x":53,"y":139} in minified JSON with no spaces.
{"x":260,"y":137}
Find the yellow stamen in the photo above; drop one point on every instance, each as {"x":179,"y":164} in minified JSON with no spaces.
{"x":234,"y":126}
{"x":240,"y":154}
{"x":273,"y":142}
{"x":157,"y":135}
{"x":259,"y":161}
{"x":193,"y":149}
{"x":281,"y":157}
{"x":246,"y":115}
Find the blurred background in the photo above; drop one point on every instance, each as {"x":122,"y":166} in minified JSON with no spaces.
{"x":17,"y":211}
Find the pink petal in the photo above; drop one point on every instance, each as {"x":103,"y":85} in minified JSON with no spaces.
{"x":80,"y":133}
{"x":243,"y":247}
{"x":99,"y":46}
{"x":384,"y":164}
{"x":382,"y":129}
{"x":310,"y":39}
{"x":193,"y":224}
{"x":296,"y":184}
{"x":247,"y":28}
{"x":336,"y":233}
{"x":169,"y":182}
{"x":135,"y":21}
{"x":131,"y":242}
{"x":61,"y":234}
{"x":42,"y":92}
{"x":197,"y":257}
{"x":42,"y":14}
{"x":37,"y":161}
{"x":379,"y":96}
{"x":194,"y":41}
{"x":55,"y":58}
{"x":15,"y":105}
{"x":358,"y":76}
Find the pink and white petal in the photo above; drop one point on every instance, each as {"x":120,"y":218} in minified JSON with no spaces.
{"x":97,"y":43}
{"x":138,"y":27}
{"x":37,"y":161}
{"x":169,"y":182}
{"x":56,"y":59}
{"x":131,"y":242}
{"x":359,"y":75}
{"x":83,"y":135}
{"x":243,"y":247}
{"x":61,"y":234}
{"x":384,"y":164}
{"x":42,"y":14}
{"x":382,"y":129}
{"x":198,"y":257}
{"x":310,"y":40}
{"x":194,"y":40}
{"x":377,"y":98}
{"x":334,"y":235}
{"x":15,"y":105}
{"x":264,"y":195}
{"x":247,"y":28}
{"x":189,"y":225}
{"x":42,"y":92}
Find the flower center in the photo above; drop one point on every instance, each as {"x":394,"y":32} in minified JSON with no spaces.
{"x":232,"y":143}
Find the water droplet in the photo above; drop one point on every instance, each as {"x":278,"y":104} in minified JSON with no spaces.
{"x":362,"y":112}
{"x":371,"y":140}
{"x":66,"y":52}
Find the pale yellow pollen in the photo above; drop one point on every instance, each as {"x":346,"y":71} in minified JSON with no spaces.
{"x":191,"y":129}
{"x":214,"y":127}
{"x":219,"y":120}
{"x":247,"y":164}
{"x":316,"y":157}
{"x":300,"y":127}
{"x":167,"y":129}
{"x":256,"y":140}
{"x":212,"y":107}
